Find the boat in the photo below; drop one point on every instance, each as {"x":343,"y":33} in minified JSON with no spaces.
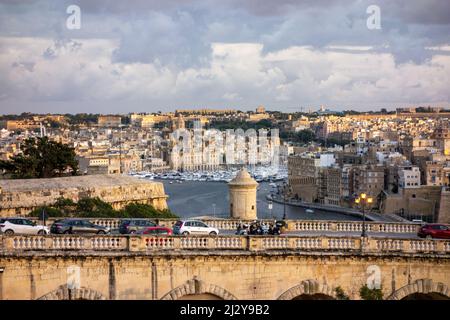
{"x":309,"y":210}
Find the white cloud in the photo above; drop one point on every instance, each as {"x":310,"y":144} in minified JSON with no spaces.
{"x":83,"y":70}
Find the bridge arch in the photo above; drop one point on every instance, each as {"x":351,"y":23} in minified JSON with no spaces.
{"x":198,"y":287}
{"x":308,"y":289}
{"x":422,"y":287}
{"x":64,"y":293}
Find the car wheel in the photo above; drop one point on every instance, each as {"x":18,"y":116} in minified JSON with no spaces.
{"x":101,"y":232}
{"x":213,"y":233}
{"x":133,"y":232}
{"x":429,"y":237}
{"x":41,"y":232}
{"x":9,"y":232}
{"x":185,"y":233}
{"x":67,"y":232}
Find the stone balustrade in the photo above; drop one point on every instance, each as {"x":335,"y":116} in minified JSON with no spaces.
{"x":293,"y":225}
{"x":149,"y":244}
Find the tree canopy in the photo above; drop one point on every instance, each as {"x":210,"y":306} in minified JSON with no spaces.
{"x":41,"y":158}
{"x":97,"y":208}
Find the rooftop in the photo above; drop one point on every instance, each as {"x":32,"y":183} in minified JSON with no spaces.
{"x":243,"y":178}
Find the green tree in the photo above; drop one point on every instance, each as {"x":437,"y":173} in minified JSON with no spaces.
{"x":66,"y":206}
{"x":41,"y":158}
{"x":50,"y":211}
{"x":94,"y":207}
{"x":139,"y":210}
{"x":340,"y":294}
{"x":370,"y":294}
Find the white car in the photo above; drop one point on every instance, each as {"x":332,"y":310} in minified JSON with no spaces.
{"x":10,"y":226}
{"x":193,"y":227}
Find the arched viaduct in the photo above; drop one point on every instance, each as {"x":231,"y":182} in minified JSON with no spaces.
{"x":226,"y":267}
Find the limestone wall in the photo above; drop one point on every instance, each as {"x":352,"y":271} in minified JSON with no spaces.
{"x":19,"y":197}
{"x":224,"y":276}
{"x":424,"y":200}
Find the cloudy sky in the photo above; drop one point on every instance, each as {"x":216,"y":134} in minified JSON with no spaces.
{"x":151,"y":55}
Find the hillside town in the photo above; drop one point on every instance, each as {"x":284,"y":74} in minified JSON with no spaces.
{"x":401,"y":158}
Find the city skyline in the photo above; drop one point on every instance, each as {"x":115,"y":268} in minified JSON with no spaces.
{"x":151,"y":56}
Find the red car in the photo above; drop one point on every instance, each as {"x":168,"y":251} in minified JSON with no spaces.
{"x":435,"y":230}
{"x":156,"y":231}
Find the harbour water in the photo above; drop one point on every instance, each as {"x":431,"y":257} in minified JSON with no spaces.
{"x":200,"y":198}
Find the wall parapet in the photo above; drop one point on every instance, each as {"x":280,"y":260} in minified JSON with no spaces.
{"x":158,"y":244}
{"x":293,"y":225}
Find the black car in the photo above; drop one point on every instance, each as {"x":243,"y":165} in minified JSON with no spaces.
{"x":72,"y":226}
{"x":132,"y":226}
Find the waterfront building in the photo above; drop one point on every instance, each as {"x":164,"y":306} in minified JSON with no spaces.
{"x":409,"y":177}
{"x":303,"y":174}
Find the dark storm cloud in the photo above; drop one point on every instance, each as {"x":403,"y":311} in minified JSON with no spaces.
{"x":180,"y":32}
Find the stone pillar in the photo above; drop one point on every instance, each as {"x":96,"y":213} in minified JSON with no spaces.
{"x":243,"y":196}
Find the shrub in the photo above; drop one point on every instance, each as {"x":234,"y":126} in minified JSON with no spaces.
{"x":340,"y":294}
{"x":94,"y":207}
{"x":50,"y":211}
{"x":97,"y":208}
{"x":138,"y":210}
{"x":370,"y":294}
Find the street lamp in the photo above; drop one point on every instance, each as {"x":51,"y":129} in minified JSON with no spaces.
{"x":284,"y":196}
{"x":363,"y":199}
{"x":214,"y":209}
{"x":270,"y":209}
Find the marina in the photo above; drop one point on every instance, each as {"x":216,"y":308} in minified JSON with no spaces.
{"x":259,"y":173}
{"x":207,"y":198}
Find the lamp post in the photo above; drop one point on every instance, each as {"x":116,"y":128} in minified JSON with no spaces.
{"x":284,"y":198}
{"x":270,"y":209}
{"x":214,"y":209}
{"x":120,"y":150}
{"x":363,"y":199}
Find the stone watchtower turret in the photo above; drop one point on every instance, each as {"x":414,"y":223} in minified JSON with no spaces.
{"x":243,"y":196}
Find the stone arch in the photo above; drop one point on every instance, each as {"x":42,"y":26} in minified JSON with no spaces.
{"x":421,"y":286}
{"x":197,"y":287}
{"x":64,"y":293}
{"x":308,"y":287}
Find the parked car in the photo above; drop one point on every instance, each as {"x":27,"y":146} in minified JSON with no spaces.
{"x":435,"y":230}
{"x":71,"y":226}
{"x":131,"y":226}
{"x":10,"y":226}
{"x":194,"y":227}
{"x":155,"y":231}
